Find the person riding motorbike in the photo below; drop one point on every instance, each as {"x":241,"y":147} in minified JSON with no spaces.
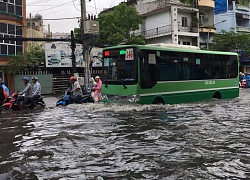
{"x":27,"y":91}
{"x":75,"y":89}
{"x":36,"y":93}
{"x":2,"y":96}
{"x":6,"y":90}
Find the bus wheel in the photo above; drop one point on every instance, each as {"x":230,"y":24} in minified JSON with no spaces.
{"x":158,"y":100}
{"x":217,"y":95}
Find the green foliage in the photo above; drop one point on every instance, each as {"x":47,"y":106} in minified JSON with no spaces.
{"x":78,"y":33}
{"x":231,"y":41}
{"x":115,"y":26}
{"x":25,"y":61}
{"x":243,"y":2}
{"x":187,"y":2}
{"x":137,"y":40}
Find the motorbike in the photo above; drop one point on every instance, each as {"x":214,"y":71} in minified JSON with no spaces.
{"x":14,"y":103}
{"x":68,"y":99}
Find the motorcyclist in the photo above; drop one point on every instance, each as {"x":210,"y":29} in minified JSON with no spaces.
{"x":36,"y":93}
{"x":75,"y":89}
{"x":27,"y":91}
{"x":6,"y":90}
{"x":2,"y":96}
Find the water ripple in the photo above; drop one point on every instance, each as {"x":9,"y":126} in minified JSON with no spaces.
{"x":205,"y":140}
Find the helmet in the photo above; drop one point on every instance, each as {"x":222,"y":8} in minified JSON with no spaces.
{"x":26,"y":79}
{"x":34,"y":77}
{"x":72,"y":78}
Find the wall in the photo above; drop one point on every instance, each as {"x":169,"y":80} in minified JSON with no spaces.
{"x":158,"y":20}
{"x":46,"y":81}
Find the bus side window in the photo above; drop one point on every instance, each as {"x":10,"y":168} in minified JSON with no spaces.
{"x":148,"y":71}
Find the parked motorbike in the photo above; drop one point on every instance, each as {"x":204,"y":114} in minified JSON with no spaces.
{"x":14,"y":103}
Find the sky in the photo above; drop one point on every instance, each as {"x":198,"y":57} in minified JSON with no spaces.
{"x":59,"y":9}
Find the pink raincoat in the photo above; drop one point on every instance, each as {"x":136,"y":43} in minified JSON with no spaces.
{"x":97,"y":90}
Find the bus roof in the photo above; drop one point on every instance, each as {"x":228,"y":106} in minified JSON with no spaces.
{"x":171,"y":47}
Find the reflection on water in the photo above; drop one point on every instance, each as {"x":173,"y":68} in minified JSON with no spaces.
{"x":206,"y":140}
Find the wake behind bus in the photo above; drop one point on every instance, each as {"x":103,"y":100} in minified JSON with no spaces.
{"x":168,"y":74}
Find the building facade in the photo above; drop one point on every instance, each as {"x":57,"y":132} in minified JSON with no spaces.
{"x":12,"y":24}
{"x":235,"y":16}
{"x":35,"y":29}
{"x":206,"y":22}
{"x":168,"y":21}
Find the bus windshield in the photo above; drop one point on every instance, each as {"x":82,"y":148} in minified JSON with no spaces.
{"x":120,"y":67}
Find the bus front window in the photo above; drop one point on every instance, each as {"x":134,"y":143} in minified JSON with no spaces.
{"x":117,"y":70}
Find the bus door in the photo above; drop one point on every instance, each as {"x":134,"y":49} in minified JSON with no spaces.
{"x":148,"y":69}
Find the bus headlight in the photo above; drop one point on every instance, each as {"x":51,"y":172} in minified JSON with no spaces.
{"x":134,"y":98}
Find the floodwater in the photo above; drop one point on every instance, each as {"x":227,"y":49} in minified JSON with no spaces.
{"x":205,"y":140}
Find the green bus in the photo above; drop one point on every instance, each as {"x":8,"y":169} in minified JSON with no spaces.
{"x":168,"y":74}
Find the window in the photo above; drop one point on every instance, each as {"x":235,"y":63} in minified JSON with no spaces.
{"x":186,"y":43}
{"x":3,"y":28}
{"x":11,"y":29}
{"x":10,"y":47}
{"x":19,"y":2}
{"x":11,"y":50}
{"x":3,"y":49}
{"x":11,"y":9}
{"x":11,"y":6}
{"x":3,"y":7}
{"x":120,"y":67}
{"x":19,"y":10}
{"x":180,"y":66}
{"x":184,"y":21}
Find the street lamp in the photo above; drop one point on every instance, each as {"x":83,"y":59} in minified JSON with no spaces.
{"x":210,"y":30}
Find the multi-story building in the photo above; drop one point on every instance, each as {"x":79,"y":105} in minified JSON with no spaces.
{"x":12,"y":24}
{"x":235,"y":16}
{"x":35,"y":29}
{"x":169,"y":21}
{"x":206,"y":22}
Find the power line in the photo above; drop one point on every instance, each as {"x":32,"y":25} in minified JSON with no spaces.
{"x":75,"y":6}
{"x":39,"y":1}
{"x":50,"y":5}
{"x":53,"y":7}
{"x":61,"y":18}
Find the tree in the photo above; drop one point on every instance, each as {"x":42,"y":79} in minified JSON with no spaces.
{"x":78,"y":33}
{"x":231,"y":41}
{"x":25,"y":61}
{"x":189,"y":2}
{"x":116,"y":26}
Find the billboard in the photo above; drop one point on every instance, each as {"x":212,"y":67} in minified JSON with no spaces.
{"x":59,"y":55}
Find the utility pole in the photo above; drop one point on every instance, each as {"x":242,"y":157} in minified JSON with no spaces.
{"x":73,"y":47}
{"x":85,"y":44}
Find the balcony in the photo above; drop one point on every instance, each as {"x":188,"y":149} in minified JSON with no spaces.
{"x":156,"y":32}
{"x":206,"y":29}
{"x":242,"y":8}
{"x":167,"y":30}
{"x":243,"y":29}
{"x":150,"y":7}
{"x":206,"y":3}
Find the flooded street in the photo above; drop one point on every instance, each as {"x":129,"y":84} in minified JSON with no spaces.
{"x":205,"y":140}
